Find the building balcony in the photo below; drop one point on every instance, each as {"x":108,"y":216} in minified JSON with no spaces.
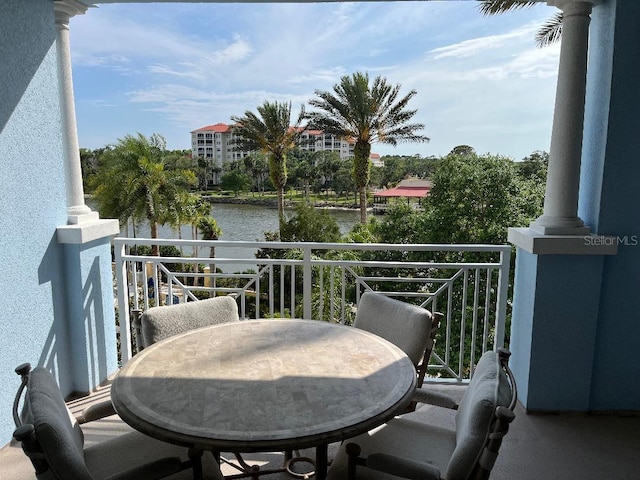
{"x":567,"y":447}
{"x":467,"y":283}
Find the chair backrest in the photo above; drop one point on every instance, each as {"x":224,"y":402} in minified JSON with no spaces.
{"x":483,"y":417}
{"x":49,"y":434}
{"x":436,"y":319}
{"x":405,"y":325}
{"x":158,"y":323}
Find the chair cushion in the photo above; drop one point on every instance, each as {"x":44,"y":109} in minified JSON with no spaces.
{"x":405,"y":325}
{"x":57,"y":432}
{"x":488,"y":388}
{"x":159,"y":323}
{"x":131,"y":449}
{"x":404,"y":436}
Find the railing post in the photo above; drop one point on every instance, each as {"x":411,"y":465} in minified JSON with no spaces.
{"x":306,"y":282}
{"x":501,"y":301}
{"x":126,"y":351}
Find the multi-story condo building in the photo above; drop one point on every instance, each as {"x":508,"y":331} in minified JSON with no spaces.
{"x":317,"y":141}
{"x":215,"y":144}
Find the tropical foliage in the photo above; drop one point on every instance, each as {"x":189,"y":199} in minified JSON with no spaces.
{"x":309,"y":224}
{"x":474,"y":200}
{"x":132,"y":182}
{"x":551,"y":30}
{"x":365,"y":112}
{"x":271,"y":133}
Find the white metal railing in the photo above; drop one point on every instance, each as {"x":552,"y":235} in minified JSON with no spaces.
{"x":324,"y":281}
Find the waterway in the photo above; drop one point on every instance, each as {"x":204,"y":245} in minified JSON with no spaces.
{"x":241,"y":222}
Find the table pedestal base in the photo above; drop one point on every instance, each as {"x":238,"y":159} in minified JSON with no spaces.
{"x":254,"y":471}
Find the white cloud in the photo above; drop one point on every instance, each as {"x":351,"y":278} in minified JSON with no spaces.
{"x":480,"y":45}
{"x":175,"y":68}
{"x":319,"y":76}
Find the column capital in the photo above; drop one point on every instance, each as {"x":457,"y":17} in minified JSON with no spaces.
{"x":65,"y":9}
{"x":574,"y":6}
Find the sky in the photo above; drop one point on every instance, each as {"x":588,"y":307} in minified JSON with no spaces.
{"x":171,"y":68}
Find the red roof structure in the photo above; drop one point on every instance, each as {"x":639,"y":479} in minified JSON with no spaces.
{"x":410,"y":188}
{"x":218,"y":127}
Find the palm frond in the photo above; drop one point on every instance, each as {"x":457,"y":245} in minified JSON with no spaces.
{"x":495,"y":7}
{"x":550,"y":32}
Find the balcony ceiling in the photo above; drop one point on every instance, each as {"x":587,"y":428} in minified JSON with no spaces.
{"x":90,"y":3}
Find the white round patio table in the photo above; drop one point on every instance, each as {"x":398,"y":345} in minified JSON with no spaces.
{"x":264,"y":385}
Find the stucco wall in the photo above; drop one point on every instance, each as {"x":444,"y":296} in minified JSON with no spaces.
{"x":610,"y":199}
{"x":32,"y":200}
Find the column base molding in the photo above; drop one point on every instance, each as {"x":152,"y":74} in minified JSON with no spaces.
{"x":534,"y":242}
{"x":86,"y":232}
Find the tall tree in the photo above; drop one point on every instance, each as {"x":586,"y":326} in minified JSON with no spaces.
{"x":235,"y":181}
{"x":304,"y":169}
{"x":476,"y":198}
{"x":365,"y":112}
{"x":549,"y":33}
{"x":270,"y":132}
{"x":132,"y":182}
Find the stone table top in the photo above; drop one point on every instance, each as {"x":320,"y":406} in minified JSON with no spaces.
{"x":264,"y":385}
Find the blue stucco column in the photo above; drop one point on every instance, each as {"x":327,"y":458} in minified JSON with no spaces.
{"x":554,"y":329}
{"x":610,"y":200}
{"x":92,"y":326}
{"x":559,"y":262}
{"x":86,"y":239}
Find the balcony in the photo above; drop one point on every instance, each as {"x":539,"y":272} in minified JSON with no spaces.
{"x":575,"y":316}
{"x":467,"y":283}
{"x":567,"y":447}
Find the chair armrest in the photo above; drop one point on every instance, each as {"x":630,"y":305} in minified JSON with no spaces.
{"x":402,"y":467}
{"x":153,"y":471}
{"x":96,"y":412}
{"x":430,"y":397}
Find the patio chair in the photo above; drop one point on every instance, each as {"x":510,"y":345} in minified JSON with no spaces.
{"x":411,"y":328}
{"x":158,"y":323}
{"x":54,"y":441}
{"x":410,"y":447}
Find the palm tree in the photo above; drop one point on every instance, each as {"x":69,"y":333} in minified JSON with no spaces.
{"x":210,"y":231}
{"x":549,"y":33}
{"x":132,"y":182}
{"x":270,"y":132}
{"x":365,"y":113}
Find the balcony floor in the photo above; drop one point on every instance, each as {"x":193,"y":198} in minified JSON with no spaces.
{"x":567,"y":447}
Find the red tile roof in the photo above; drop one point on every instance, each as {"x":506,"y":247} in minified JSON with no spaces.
{"x":409,"y":187}
{"x":218,"y":128}
{"x":404,"y":192}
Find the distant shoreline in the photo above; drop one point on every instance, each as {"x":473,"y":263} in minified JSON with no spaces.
{"x":263,"y":202}
{"x":267,"y":202}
